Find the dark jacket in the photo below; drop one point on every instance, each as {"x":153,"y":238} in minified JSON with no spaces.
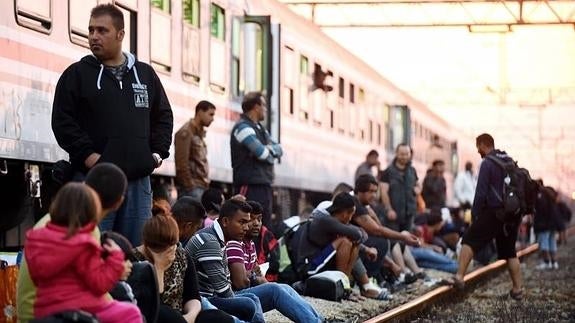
{"x":247,"y":168}
{"x":489,"y":190}
{"x":434,"y":191}
{"x":401,"y":193}
{"x":124,"y":121}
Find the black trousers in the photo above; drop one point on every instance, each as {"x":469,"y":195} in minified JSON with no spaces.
{"x":487,"y":227}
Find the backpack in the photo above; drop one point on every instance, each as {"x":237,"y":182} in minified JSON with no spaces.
{"x":331,"y":285}
{"x":519,"y":191}
{"x":291,"y":239}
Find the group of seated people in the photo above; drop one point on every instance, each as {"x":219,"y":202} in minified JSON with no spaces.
{"x":204,"y":256}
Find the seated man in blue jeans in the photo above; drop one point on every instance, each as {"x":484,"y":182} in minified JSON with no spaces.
{"x":246,"y":277}
{"x":206,"y":248}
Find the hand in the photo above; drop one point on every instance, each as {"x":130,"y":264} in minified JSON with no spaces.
{"x":371,"y":253}
{"x":157,"y":159}
{"x":111,"y":246}
{"x":437,"y":249}
{"x":257,"y":270}
{"x":391,"y":215}
{"x":410,"y":239}
{"x":127,"y":270}
{"x":164,"y":259}
{"x":91,"y":160}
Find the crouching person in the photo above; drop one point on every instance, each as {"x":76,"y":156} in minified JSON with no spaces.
{"x":246,"y":277}
{"x":329,"y":242}
{"x":65,"y":261}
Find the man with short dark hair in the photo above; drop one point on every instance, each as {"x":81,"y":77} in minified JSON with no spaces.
{"x":486,"y":225}
{"x":253,"y":154}
{"x":434,"y":189}
{"x":192,"y":169}
{"x":109,"y":107}
{"x":365,"y":217}
{"x":371,"y":160}
{"x":207,"y":249}
{"x":189,"y":214}
{"x":399,"y":188}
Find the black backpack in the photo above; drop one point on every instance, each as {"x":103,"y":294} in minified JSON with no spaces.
{"x":519,"y":191}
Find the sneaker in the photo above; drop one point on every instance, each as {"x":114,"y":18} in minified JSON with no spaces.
{"x":543,"y":266}
{"x":555,"y":265}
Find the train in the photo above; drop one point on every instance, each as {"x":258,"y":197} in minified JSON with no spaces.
{"x":326,"y":107}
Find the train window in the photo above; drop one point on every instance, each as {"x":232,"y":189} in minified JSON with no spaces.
{"x":217,"y":48}
{"x":351,"y":93}
{"x":163,"y":5}
{"x":303,"y":65}
{"x":341,"y":87}
{"x":79,"y":16}
{"x":161,"y":35}
{"x":34,"y":14}
{"x":331,"y":119}
{"x":191,"y":12}
{"x":191,"y":40}
{"x":379,"y":134}
{"x":361,"y":95}
{"x":217,"y":22}
{"x":237,"y":40}
{"x":288,"y":100}
{"x":303,"y":87}
{"x":370,"y":131}
{"x":130,"y":42}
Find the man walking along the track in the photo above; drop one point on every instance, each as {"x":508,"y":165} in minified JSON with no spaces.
{"x":110,"y":107}
{"x":253,"y":154}
{"x":487,"y":201}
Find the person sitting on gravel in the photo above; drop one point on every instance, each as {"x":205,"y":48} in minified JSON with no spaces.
{"x":329,"y":242}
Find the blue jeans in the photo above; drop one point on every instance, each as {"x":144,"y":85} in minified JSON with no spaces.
{"x":129,"y":219}
{"x":428,"y":258}
{"x":195,"y":192}
{"x":284,"y":299}
{"x":546,"y":240}
{"x":206,"y":305}
{"x":246,"y":307}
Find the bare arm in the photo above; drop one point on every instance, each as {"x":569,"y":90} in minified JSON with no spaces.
{"x":390,"y":212}
{"x":239,"y":276}
{"x":372,"y":228}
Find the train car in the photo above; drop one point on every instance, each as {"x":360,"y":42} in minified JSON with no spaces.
{"x":326,"y":107}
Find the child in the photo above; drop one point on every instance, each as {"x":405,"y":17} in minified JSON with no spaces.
{"x":109,"y":181}
{"x":65,"y":261}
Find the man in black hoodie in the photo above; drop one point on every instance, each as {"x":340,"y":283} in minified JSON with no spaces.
{"x":486,"y":226}
{"x":109,"y":107}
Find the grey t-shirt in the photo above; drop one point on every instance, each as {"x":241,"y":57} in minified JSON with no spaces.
{"x":120,"y":70}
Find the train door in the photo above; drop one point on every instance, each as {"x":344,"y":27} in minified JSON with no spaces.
{"x":259,"y":70}
{"x":399,"y":122}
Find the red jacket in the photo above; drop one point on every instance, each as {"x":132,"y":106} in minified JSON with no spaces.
{"x":69,"y":273}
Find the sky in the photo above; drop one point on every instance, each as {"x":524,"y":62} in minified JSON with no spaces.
{"x":518,"y":85}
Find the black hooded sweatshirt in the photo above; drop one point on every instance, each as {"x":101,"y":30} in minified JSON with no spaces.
{"x":125,"y":122}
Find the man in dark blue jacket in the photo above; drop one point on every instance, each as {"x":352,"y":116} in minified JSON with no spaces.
{"x":109,"y":107}
{"x":486,"y":226}
{"x":253,"y":154}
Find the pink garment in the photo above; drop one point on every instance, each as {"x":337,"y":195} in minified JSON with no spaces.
{"x":208,"y":222}
{"x":117,"y":312}
{"x":69,"y":273}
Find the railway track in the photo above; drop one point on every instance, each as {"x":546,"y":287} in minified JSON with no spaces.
{"x":444,"y":294}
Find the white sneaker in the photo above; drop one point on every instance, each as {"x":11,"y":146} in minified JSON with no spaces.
{"x":543,"y":266}
{"x":555,"y":265}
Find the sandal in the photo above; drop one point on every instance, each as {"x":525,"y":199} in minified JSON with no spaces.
{"x":516,"y":295}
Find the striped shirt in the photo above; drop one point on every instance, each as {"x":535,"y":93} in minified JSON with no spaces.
{"x":242,"y":252}
{"x":246,"y":135}
{"x":206,"y":248}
